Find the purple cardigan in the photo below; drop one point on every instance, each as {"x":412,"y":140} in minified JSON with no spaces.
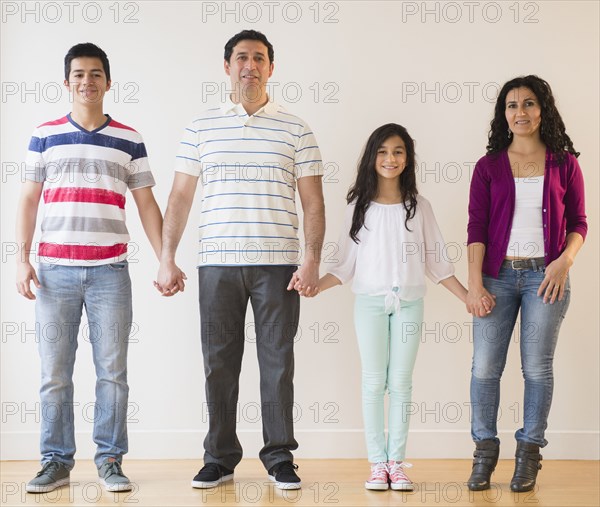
{"x":492,"y":205}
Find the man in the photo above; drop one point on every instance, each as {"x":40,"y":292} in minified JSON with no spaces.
{"x":83,"y":163}
{"x":250,"y":155}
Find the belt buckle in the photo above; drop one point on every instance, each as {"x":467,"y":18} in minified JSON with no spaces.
{"x":512,"y":264}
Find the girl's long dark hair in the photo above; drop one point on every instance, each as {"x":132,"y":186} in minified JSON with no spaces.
{"x":364,"y":189}
{"x":552,"y":129}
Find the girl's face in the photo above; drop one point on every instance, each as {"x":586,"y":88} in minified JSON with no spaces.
{"x":523,"y":112}
{"x":391,"y":158}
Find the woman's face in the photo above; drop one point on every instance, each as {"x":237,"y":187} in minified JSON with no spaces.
{"x":523,"y":112}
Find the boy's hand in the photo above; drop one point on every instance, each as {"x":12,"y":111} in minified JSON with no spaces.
{"x":170,"y":280}
{"x":25,"y":275}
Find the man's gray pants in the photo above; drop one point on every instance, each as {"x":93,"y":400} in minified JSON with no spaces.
{"x":224,"y":292}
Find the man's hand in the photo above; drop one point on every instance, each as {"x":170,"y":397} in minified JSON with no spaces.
{"x":25,"y":275}
{"x":170,"y":279}
{"x":305,"y":280}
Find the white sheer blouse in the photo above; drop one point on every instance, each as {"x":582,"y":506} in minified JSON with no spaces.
{"x":390,"y":260}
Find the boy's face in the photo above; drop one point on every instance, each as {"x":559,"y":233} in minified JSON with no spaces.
{"x":249,"y":69}
{"x":87,"y":81}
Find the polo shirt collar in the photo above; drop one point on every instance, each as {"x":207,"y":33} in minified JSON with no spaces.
{"x":228,"y":106}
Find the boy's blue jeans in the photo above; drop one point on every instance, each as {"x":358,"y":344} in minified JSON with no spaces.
{"x":105,"y":293}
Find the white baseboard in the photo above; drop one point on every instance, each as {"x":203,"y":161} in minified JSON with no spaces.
{"x":314,"y":444}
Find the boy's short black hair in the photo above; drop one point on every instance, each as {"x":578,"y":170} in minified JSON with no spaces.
{"x":248,"y":35}
{"x":86,"y":49}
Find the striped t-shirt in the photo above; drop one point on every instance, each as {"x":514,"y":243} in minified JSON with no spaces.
{"x":248,"y":167}
{"x":85,"y":176}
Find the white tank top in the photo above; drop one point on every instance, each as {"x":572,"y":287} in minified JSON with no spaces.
{"x":527,"y":233}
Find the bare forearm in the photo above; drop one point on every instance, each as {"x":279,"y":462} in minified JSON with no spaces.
{"x":314,"y":232}
{"x":476,"y":252}
{"x":327,"y":281}
{"x":574,"y":244}
{"x":176,"y":217}
{"x":152,"y":222}
{"x":26,"y":219}
{"x":457,"y":288}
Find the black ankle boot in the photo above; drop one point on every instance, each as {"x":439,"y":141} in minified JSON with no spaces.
{"x":527,"y":464}
{"x":485,"y":459}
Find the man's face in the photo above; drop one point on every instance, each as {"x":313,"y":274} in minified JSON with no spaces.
{"x":249,"y":69}
{"x":87,"y":80}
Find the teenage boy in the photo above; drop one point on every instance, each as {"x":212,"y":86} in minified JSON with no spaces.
{"x":250,"y":155}
{"x":83,"y":163}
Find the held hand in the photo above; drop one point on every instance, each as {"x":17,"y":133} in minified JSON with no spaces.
{"x":170,"y":279}
{"x":25,"y":275}
{"x":480,"y":302}
{"x":305,"y":280}
{"x":553,"y":285}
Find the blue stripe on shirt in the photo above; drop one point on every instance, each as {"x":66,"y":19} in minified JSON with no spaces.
{"x":243,"y":207}
{"x":187,"y":158}
{"x":251,"y":165}
{"x":255,"y":223}
{"x":307,"y":148}
{"x":256,"y":181}
{"x":249,"y":153}
{"x":247,"y":193}
{"x":214,"y":118}
{"x":262,"y":237}
{"x":280,"y":121}
{"x":245,"y":139}
{"x":134,"y":150}
{"x":307,"y":162}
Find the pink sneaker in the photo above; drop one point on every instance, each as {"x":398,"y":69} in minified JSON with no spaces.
{"x":398,"y":479}
{"x":379,"y":477}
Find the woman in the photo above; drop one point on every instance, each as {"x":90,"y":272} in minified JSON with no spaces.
{"x":526,"y":224}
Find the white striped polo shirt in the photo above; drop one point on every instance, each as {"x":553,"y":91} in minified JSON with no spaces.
{"x":86,"y":175}
{"x":248,"y":167}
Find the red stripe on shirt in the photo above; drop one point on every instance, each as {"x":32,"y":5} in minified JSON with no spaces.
{"x":60,"y":121}
{"x":118,"y":125}
{"x":78,"y":194}
{"x":82,"y":252}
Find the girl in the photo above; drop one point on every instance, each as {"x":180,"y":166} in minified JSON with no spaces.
{"x":390,"y":242}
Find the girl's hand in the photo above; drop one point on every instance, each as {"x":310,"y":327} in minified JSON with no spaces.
{"x":488,"y":304}
{"x":553,"y":285}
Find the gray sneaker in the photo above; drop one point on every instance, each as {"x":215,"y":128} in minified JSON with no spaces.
{"x":52,"y":475}
{"x":112,"y":476}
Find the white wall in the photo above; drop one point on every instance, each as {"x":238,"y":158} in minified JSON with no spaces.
{"x":409,"y":62}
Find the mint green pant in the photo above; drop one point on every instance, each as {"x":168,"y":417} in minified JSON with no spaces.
{"x":388,"y":340}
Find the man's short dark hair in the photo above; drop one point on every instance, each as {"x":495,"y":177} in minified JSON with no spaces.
{"x":248,"y":35}
{"x":89,"y":50}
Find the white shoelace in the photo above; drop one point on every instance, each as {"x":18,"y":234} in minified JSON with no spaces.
{"x":379,"y":471}
{"x":396,"y":472}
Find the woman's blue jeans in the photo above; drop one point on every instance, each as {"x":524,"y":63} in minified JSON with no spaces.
{"x":516,"y":289}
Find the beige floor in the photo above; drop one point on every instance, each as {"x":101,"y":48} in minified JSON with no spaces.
{"x":325,"y":482}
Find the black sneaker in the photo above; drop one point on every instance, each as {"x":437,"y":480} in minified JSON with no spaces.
{"x":284,"y":476}
{"x":210,"y":475}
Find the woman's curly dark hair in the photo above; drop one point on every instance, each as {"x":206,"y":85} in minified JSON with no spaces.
{"x":364,"y":189}
{"x":552,"y":129}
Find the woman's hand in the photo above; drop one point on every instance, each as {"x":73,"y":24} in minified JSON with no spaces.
{"x":479,"y":301}
{"x":553,"y":285}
